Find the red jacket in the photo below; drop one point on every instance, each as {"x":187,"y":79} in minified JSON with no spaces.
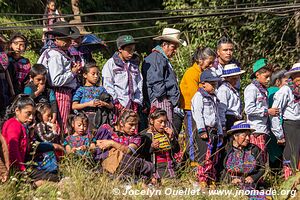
{"x":16,"y":138}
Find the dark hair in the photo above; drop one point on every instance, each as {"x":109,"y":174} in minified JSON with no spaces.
{"x":156,"y":113}
{"x":73,"y":117}
{"x":86,"y":69}
{"x":17,"y":35}
{"x":224,"y":40}
{"x":37,"y":69}
{"x":277,"y":75}
{"x":266,"y":68}
{"x":126,"y":114}
{"x":202,"y":54}
{"x":40,"y":110}
{"x":20,"y":102}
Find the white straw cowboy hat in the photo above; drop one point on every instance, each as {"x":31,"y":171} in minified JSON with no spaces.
{"x":172,"y":35}
{"x":231,"y":70}
{"x":294,"y":69}
{"x":240,"y":126}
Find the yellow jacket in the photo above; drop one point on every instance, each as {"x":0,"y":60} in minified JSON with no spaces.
{"x":189,"y":85}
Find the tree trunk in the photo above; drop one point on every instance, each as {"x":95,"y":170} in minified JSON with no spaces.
{"x":297,"y":27}
{"x":76,"y":11}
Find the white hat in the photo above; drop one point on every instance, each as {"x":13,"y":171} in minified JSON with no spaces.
{"x":239,"y":126}
{"x":172,"y":35}
{"x":294,"y":69}
{"x":231,"y":70}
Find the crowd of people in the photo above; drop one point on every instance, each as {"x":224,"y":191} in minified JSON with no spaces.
{"x":130,"y":122}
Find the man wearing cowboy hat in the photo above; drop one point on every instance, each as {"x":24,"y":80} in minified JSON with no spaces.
{"x":287,"y":100}
{"x":160,"y":84}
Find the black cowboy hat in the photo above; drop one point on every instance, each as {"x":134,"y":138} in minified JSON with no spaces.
{"x":63,"y":29}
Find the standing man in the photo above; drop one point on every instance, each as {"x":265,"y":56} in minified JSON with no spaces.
{"x":225,"y":50}
{"x":160,"y":85}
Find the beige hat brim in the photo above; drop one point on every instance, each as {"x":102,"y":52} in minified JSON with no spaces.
{"x":289,"y":73}
{"x":233,"y":74}
{"x":171,"y":39}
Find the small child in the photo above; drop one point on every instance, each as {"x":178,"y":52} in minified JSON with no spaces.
{"x":51,"y":15}
{"x":116,"y":149}
{"x":230,"y":102}
{"x":44,"y":130}
{"x":122,"y":78}
{"x":210,"y":134}
{"x":160,"y":145}
{"x":38,"y":91}
{"x":203,"y":58}
{"x":77,"y":142}
{"x":256,"y":104}
{"x":19,"y":67}
{"x":91,"y":98}
{"x":275,"y":150}
{"x":287,"y":100}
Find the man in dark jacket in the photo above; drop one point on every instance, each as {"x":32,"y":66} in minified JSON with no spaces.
{"x":160,"y":86}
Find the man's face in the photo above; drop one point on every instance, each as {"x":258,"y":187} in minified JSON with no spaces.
{"x":225,"y":53}
{"x":170,"y":48}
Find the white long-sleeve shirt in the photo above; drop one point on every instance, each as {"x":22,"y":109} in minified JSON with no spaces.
{"x":288,"y":109}
{"x":59,"y":69}
{"x":116,"y":82}
{"x":230,"y":102}
{"x":256,"y":109}
{"x":205,"y":112}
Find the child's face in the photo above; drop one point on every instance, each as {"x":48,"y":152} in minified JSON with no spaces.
{"x":263,"y":78}
{"x":282,"y":82}
{"x":206,"y":63}
{"x":80,"y":126}
{"x":92,"y":76}
{"x":46,"y":116}
{"x":51,"y":6}
{"x":127,"y":52}
{"x":25,"y":115}
{"x":233,"y":80}
{"x":18,"y":45}
{"x":39,"y":80}
{"x":129,"y":126}
{"x":210,"y":87}
{"x":160,"y":123}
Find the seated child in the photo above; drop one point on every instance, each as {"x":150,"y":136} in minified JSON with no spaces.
{"x":37,"y":90}
{"x":160,"y":145}
{"x":44,"y":130}
{"x":78,"y":142}
{"x":244,"y":162}
{"x":116,"y":148}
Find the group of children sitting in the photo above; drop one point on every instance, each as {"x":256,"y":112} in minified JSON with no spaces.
{"x":104,"y":122}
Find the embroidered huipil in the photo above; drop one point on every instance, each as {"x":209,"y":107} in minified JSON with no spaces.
{"x":205,"y":111}
{"x":123,"y":81}
{"x":230,"y":102}
{"x":256,"y":107}
{"x":289,"y":109}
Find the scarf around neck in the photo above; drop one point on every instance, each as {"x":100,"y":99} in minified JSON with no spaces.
{"x":261,"y":88}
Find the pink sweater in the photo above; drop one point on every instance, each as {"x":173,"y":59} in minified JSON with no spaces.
{"x":16,"y":138}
